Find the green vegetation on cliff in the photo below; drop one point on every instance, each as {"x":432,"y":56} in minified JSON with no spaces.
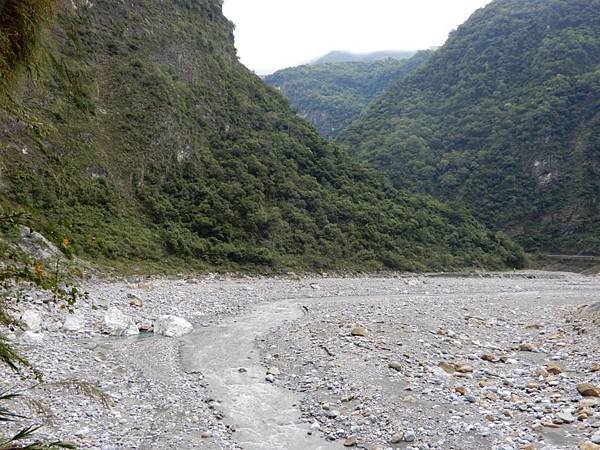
{"x":330,"y":96}
{"x":505,"y":120}
{"x":137,"y":135}
{"x":21,"y":22}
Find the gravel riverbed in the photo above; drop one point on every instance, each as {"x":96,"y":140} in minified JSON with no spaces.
{"x":498,"y":361}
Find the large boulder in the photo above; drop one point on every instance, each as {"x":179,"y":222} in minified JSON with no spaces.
{"x":37,"y":246}
{"x":73,"y":323}
{"x":118,"y":324}
{"x":31,"y":320}
{"x":172,"y":326}
{"x":31,"y":338}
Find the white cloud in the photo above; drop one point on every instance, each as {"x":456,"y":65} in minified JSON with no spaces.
{"x":273,"y":34}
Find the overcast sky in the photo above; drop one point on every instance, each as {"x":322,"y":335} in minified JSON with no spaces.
{"x":274,"y":34}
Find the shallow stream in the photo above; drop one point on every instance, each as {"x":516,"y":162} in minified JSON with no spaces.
{"x":264,"y":415}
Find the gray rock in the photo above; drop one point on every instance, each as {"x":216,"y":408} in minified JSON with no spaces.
{"x":409,"y":436}
{"x":73,"y":323}
{"x":118,"y":324}
{"x":332,"y":414}
{"x":135,"y":301}
{"x":172,"y":326}
{"x":350,"y":441}
{"x":53,"y":326}
{"x":37,"y":246}
{"x":145,"y":327}
{"x":357,"y":330}
{"x":31,"y":338}
{"x":566,"y":417}
{"x":395,"y":365}
{"x":31,"y":320}
{"x":274,"y":371}
{"x":397,"y":438}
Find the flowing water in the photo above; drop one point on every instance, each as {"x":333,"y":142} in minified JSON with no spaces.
{"x":264,"y":415}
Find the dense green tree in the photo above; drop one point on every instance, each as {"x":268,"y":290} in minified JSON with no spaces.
{"x":504,"y":120}
{"x":331,"y":95}
{"x":137,"y":134}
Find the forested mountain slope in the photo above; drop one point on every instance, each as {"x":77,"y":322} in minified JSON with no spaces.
{"x":330,"y":96}
{"x":504,"y":119}
{"x":132,"y":133}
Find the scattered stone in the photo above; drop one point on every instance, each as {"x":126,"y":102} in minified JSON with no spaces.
{"x":146,"y":286}
{"x":471,"y":398}
{"x":503,"y":405}
{"x":464,"y":368}
{"x":350,"y":441}
{"x":589,"y":402}
{"x":357,"y":330}
{"x":461,"y":390}
{"x":447,"y":367}
{"x":83,"y":432}
{"x":395,"y":365}
{"x":172,"y":326}
{"x":589,"y":446}
{"x":36,"y":245}
{"x":118,"y":324}
{"x":136,"y":302}
{"x":206,"y":435}
{"x":274,"y":371}
{"x":73,"y":323}
{"x":332,"y":414}
{"x":397,"y":438}
{"x":595,"y":367}
{"x":588,"y":390}
{"x":31,"y":320}
{"x":554,"y":369}
{"x":527,"y":347}
{"x":31,"y":338}
{"x":565,"y":417}
{"x":409,"y":436}
{"x":145,"y":327}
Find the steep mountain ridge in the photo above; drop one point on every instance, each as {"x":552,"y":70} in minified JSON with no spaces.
{"x":503,"y":120}
{"x":131,"y":134}
{"x":330,"y":96}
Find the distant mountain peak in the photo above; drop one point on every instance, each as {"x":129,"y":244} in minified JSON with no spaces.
{"x":345,"y":56}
